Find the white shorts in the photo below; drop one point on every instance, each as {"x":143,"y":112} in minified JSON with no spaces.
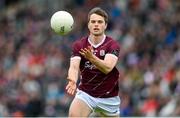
{"x":107,"y":106}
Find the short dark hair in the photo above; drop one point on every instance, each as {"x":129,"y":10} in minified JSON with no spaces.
{"x":98,"y":11}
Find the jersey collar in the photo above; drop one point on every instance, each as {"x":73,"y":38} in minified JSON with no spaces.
{"x":97,"y":45}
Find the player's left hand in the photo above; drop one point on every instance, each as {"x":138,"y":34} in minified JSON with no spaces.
{"x":71,"y":87}
{"x":87,"y":52}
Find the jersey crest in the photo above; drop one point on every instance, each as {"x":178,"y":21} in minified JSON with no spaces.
{"x":102,"y":52}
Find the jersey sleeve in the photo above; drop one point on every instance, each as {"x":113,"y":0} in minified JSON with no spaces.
{"x":114,"y":49}
{"x":75,"y":49}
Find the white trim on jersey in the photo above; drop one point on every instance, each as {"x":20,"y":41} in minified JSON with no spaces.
{"x":76,"y":57}
{"x":97,"y":45}
{"x":109,"y":54}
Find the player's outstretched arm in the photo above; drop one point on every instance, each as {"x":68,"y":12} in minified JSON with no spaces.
{"x":73,"y":75}
{"x":105,"y":65}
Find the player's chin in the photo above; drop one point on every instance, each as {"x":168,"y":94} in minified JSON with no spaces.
{"x":97,"y":33}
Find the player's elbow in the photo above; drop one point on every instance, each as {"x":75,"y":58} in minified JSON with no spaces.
{"x":107,"y":70}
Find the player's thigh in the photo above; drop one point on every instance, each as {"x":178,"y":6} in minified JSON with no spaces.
{"x":102,"y":115}
{"x":96,"y":114}
{"x":79,"y":108}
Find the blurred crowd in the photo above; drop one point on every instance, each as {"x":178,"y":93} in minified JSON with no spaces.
{"x":34,"y":60}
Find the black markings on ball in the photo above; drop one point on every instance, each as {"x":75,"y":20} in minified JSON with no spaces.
{"x":62,"y":29}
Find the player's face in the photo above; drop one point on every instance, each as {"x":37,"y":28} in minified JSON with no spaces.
{"x":96,"y":25}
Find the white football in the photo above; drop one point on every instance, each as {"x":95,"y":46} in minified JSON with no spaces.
{"x":62,"y":22}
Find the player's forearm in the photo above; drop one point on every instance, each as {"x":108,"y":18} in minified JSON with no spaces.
{"x":74,"y":69}
{"x":73,"y":74}
{"x":102,"y":65}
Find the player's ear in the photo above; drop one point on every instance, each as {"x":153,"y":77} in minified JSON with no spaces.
{"x":88,"y":25}
{"x":105,"y":25}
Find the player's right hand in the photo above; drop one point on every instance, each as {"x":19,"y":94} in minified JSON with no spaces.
{"x":71,"y":87}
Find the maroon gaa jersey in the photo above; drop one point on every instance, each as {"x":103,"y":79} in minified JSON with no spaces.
{"x":93,"y":81}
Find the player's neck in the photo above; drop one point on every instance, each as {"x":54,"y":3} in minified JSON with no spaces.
{"x":96,"y":39}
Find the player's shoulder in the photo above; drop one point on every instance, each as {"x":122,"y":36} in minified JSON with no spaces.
{"x":78,"y":43}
